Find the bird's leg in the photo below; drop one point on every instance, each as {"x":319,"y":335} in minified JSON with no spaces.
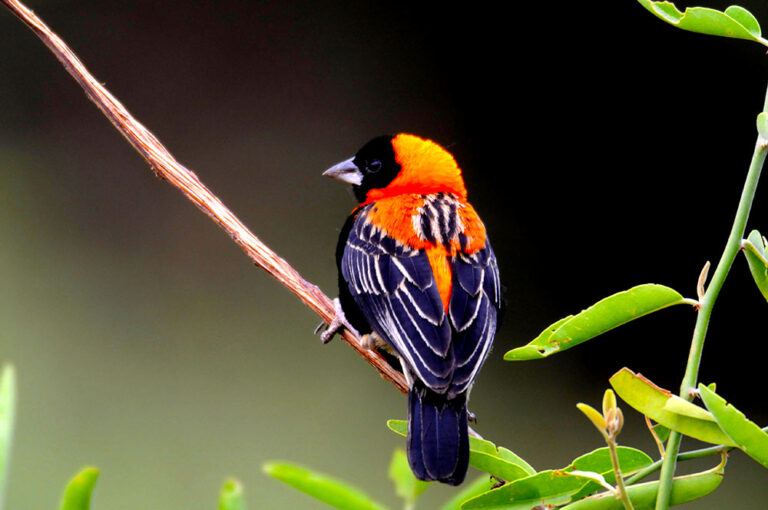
{"x":338,"y":323}
{"x":471,"y":417}
{"x":372,"y":341}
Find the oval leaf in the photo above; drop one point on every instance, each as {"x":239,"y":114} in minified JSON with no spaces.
{"x":649,"y":399}
{"x":328,"y":490}
{"x":643,"y":496}
{"x":231,"y":496}
{"x":631,"y":461}
{"x":594,"y":416}
{"x":679,"y":405}
{"x":407,"y":486}
{"x":744,"y":18}
{"x":479,"y":486}
{"x":7,"y":416}
{"x":745,"y":433}
{"x":762,"y":126}
{"x":599,"y":461}
{"x":484,"y":455}
{"x":735,"y":22}
{"x":534,"y":350}
{"x":546,"y":487}
{"x":603,"y":316}
{"x":77,"y":495}
{"x":754,"y":249}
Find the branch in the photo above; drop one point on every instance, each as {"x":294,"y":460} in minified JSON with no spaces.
{"x":167,"y":168}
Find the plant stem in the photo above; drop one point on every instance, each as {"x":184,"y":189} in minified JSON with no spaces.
{"x":623,"y":496}
{"x":707,"y":302}
{"x":694,"y":454}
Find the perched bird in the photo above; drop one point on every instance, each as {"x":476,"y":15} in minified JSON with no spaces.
{"x":418,"y":275}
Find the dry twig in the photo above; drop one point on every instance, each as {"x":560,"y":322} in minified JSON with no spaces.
{"x":167,"y":168}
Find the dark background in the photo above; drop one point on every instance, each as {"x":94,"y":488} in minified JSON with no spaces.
{"x":602,"y":147}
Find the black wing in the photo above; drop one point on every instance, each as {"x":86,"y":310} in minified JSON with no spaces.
{"x":473,"y":309}
{"x":394,"y":288}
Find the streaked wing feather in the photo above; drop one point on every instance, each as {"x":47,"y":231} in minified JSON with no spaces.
{"x":395,"y":290}
{"x":473,"y":309}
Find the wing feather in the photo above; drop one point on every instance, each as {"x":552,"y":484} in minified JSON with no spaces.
{"x":395,"y":290}
{"x":473,"y":309}
{"x":394,"y":287}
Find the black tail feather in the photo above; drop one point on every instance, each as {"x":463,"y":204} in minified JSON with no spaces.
{"x":438,"y":437}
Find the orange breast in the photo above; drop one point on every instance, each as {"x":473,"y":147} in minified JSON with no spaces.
{"x":398,"y":215}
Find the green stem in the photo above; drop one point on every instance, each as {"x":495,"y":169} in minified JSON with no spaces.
{"x":694,"y":454}
{"x":707,"y":302}
{"x":619,"y":478}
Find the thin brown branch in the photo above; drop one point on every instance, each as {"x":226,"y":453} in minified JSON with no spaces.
{"x":166,"y":167}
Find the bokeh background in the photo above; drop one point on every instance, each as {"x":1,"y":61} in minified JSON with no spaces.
{"x":602,"y":147}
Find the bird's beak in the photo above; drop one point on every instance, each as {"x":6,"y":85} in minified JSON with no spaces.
{"x":346,"y":171}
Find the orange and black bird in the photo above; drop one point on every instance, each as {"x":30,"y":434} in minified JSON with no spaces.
{"x":418,"y":275}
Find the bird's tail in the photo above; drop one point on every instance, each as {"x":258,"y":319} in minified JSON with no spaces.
{"x":438,"y":438}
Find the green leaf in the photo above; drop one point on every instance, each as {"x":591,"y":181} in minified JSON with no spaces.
{"x":744,"y":18}
{"x":762,"y":125}
{"x":7,"y":416}
{"x":484,"y":455}
{"x":662,"y":432}
{"x":468,"y":491}
{"x":500,"y":462}
{"x":533,"y":349}
{"x":631,"y":461}
{"x":552,"y":487}
{"x":603,"y":316}
{"x":399,"y":427}
{"x":736,"y":22}
{"x":329,"y":490}
{"x":597,"y":419}
{"x":77,"y":495}
{"x":643,"y":496}
{"x":745,"y":433}
{"x":231,"y":496}
{"x":649,"y":399}
{"x":681,"y":406}
{"x":755,"y":250}
{"x":407,"y":486}
{"x":599,"y":461}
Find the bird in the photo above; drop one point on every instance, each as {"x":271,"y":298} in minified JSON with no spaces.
{"x":418,"y":277}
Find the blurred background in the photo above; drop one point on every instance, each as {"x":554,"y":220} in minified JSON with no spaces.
{"x":602,"y":147}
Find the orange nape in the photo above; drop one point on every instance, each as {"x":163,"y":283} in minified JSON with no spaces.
{"x":395,"y":216}
{"x":425,"y":167}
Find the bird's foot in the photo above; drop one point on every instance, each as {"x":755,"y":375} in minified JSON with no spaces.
{"x":372,"y":341}
{"x":338,"y":323}
{"x":471,"y":417}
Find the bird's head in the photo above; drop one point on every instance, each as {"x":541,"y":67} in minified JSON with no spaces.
{"x":395,"y":165}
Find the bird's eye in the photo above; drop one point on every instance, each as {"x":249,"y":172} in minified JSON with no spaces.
{"x":374,"y":166}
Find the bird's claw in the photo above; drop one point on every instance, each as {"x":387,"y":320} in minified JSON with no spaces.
{"x":372,"y":341}
{"x":338,"y":323}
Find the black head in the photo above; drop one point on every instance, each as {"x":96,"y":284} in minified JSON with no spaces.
{"x":376,"y":161}
{"x":373,"y":167}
